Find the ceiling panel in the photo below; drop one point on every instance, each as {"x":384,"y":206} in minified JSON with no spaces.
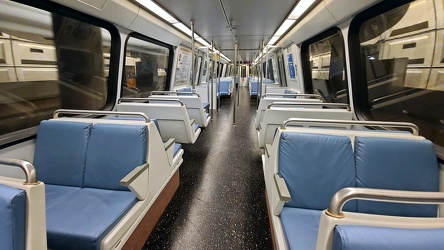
{"x":254,"y":21}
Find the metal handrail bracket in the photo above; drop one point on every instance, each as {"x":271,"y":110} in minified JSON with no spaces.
{"x":27,"y":167}
{"x":352,"y":193}
{"x":408,"y":125}
{"x":98,"y":112}
{"x":328,"y":105}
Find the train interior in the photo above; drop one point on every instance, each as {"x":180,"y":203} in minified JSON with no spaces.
{"x":149,"y":124}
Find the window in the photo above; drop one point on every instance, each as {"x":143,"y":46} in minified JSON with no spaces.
{"x":147,"y":66}
{"x":324,"y":66}
{"x":400,"y":65}
{"x":50,"y":60}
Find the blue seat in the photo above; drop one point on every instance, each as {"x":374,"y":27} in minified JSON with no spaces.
{"x":225,"y":87}
{"x":185,"y":89}
{"x":81,"y":209}
{"x":307,"y":157}
{"x":332,"y":170}
{"x":396,"y":164}
{"x":12,"y":218}
{"x":348,"y":237}
{"x":289,"y":91}
{"x":177,"y":147}
{"x":301,"y":226}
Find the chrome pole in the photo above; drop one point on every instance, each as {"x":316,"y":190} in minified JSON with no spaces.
{"x":234,"y":89}
{"x":192,"y":55}
{"x":212,"y":79}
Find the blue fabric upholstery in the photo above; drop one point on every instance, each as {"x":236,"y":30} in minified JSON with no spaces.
{"x":290,"y":91}
{"x":60,"y":152}
{"x":177,"y":147}
{"x":110,"y":158}
{"x":397,"y":164}
{"x":12,"y":218}
{"x":348,"y":237}
{"x":308,"y":158}
{"x":185,"y":89}
{"x":206,"y":106}
{"x":255,"y":87}
{"x":225,"y":87}
{"x":100,"y":210}
{"x":301,"y":227}
{"x":56,"y":193}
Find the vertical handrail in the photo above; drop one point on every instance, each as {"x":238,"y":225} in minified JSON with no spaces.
{"x":234,"y":89}
{"x":212,"y":80}
{"x":218,"y":77}
{"x":192,"y":55}
{"x":266,"y":72}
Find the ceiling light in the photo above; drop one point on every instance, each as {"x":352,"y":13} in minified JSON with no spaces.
{"x":284,"y":27}
{"x":273,"y":40}
{"x":300,"y":8}
{"x":156,"y":9}
{"x":183,"y":28}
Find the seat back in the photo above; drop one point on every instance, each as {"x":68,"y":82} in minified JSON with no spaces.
{"x":315,"y":167}
{"x":12,"y":218}
{"x":264,"y":102}
{"x":397,"y":164}
{"x":113,"y":151}
{"x":173,"y":119}
{"x":60,"y":152}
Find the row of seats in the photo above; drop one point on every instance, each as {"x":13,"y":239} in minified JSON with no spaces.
{"x":100,"y":178}
{"x":272,"y":111}
{"x":305,"y":167}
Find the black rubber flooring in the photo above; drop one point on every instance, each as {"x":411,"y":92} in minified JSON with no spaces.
{"x":220,"y":202}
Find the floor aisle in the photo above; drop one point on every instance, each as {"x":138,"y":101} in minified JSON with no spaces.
{"x":220,"y":202}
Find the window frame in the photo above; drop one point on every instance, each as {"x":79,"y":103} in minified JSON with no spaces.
{"x":358,"y":74}
{"x":305,"y":59}
{"x":153,"y":41}
{"x":26,"y":134}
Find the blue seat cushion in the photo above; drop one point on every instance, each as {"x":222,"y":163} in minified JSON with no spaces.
{"x":397,"y":164}
{"x":206,"y":105}
{"x":82,"y":221}
{"x":56,"y":193}
{"x":348,"y":237}
{"x":177,"y":147}
{"x":315,"y":167}
{"x":300,"y":227}
{"x":185,"y":89}
{"x":60,"y":152}
{"x":114,"y":150}
{"x":12,"y":218}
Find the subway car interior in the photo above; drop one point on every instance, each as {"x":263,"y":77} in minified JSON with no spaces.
{"x":223,"y":124}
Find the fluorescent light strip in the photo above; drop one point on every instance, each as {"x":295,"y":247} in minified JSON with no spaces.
{"x":183,"y":28}
{"x":157,"y":10}
{"x":273,"y":40}
{"x":300,"y":8}
{"x":284,"y":27}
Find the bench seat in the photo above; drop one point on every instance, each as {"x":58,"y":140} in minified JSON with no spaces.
{"x":301,"y":225}
{"x":102,"y":209}
{"x":348,"y":237}
{"x":12,"y":217}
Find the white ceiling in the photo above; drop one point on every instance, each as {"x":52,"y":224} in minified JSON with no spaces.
{"x":254,"y":21}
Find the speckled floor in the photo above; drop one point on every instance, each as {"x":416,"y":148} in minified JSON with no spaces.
{"x":220,"y":202}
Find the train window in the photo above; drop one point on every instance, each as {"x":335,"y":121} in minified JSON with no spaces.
{"x":400,"y":55}
{"x":324,"y":66}
{"x":147,"y":66}
{"x":49,"y":60}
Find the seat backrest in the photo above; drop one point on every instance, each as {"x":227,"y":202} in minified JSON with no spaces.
{"x":398,"y":164}
{"x":315,"y":167}
{"x":12,"y":218}
{"x":113,"y":151}
{"x":60,"y":152}
{"x":184,"y":89}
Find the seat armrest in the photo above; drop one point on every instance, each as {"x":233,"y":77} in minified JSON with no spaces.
{"x":169,"y":149}
{"x":283,"y":194}
{"x":137,"y":181}
{"x":268,"y":150}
